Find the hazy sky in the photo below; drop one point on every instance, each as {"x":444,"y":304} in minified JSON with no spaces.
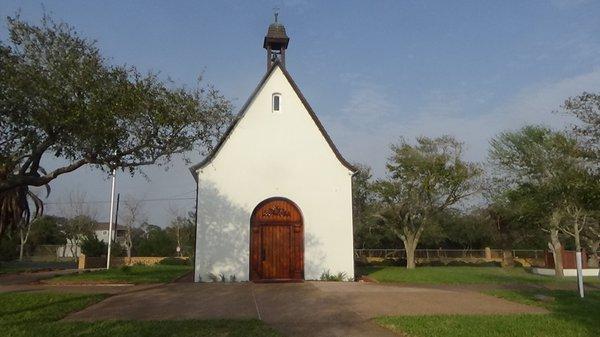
{"x":373,"y":71}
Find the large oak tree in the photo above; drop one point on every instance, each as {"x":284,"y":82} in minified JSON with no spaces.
{"x":425,"y":179}
{"x":59,"y":97}
{"x":548,"y":170}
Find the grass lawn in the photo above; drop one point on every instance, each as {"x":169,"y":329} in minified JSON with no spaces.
{"x":463,"y":275}
{"x":38,"y":314}
{"x":569,"y":316}
{"x":133,"y":274}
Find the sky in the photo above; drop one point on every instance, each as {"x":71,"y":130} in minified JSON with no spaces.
{"x":373,"y":71}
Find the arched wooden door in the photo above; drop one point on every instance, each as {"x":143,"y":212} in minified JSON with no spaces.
{"x":276,"y":242}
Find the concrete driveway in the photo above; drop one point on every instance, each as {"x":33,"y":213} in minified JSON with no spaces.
{"x":297,"y":309}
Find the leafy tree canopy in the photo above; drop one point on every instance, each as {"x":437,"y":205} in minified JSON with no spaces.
{"x":425,"y":179}
{"x":550,"y":166}
{"x":59,"y":96}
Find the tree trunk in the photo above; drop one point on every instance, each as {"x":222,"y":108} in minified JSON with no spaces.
{"x":507,"y":258}
{"x":74,"y":244}
{"x":178,"y":241}
{"x":24,"y":237}
{"x":577,"y":237}
{"x":410,"y":245}
{"x":128,"y":241}
{"x":22,"y":244}
{"x":594,"y":261}
{"x":556,"y":249}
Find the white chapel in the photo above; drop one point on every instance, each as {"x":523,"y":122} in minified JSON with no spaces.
{"x":274,"y":198}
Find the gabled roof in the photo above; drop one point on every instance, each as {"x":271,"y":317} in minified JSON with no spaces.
{"x":242,"y":112}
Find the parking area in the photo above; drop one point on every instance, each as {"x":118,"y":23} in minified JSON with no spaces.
{"x":296,"y":309}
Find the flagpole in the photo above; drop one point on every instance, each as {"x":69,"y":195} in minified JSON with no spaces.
{"x":110,"y":221}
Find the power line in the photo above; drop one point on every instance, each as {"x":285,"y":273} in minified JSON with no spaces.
{"x":107,"y":201}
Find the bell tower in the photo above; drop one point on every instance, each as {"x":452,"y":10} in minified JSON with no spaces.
{"x":276,"y":42}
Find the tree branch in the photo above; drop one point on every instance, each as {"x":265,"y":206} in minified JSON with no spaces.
{"x":31,"y":180}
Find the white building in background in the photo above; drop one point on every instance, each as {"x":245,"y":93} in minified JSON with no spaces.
{"x":71,"y":249}
{"x":101,"y":231}
{"x":275,"y":196}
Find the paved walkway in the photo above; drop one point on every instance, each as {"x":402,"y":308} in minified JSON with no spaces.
{"x":27,"y":278}
{"x":31,"y":282}
{"x":297,"y":309}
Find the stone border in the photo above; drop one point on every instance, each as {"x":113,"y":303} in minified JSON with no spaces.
{"x":86,"y":262}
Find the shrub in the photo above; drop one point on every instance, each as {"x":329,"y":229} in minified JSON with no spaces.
{"x":125,"y":269}
{"x":157,"y":243}
{"x":173,"y":261}
{"x":116,"y":250}
{"x":91,"y":246}
{"x":9,"y":249}
{"x":327,"y":276}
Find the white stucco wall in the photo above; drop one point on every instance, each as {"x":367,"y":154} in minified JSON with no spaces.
{"x":271,"y":154}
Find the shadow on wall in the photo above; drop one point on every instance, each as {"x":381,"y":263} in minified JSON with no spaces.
{"x":314,"y":257}
{"x":223,"y":236}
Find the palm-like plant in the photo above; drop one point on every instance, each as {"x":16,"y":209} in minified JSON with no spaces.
{"x":18,"y":205}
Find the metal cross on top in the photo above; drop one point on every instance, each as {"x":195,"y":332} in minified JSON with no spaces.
{"x":276,"y":12}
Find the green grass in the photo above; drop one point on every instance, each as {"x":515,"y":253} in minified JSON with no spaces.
{"x":133,"y":274}
{"x":462,"y":275}
{"x":569,"y":316}
{"x":38,"y":314}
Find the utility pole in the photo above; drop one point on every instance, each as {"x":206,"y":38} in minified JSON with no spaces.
{"x":110,"y":221}
{"x":117,"y":215}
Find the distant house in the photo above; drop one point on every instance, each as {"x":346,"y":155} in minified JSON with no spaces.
{"x":71,"y":249}
{"x":275,"y":195}
{"x":101,"y":231}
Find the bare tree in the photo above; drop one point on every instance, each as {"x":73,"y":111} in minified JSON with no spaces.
{"x":176,"y":225}
{"x":577,"y":222}
{"x":77,"y":204}
{"x":132,"y":215}
{"x":24,"y":224}
{"x":81,"y":219}
{"x":24,"y":235}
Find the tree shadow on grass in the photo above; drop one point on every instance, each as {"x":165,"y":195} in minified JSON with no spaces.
{"x":44,"y":307}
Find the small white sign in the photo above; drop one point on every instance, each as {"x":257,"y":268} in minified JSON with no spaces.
{"x":178,"y":249}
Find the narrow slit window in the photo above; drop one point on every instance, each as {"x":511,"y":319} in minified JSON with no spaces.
{"x":276,"y":102}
